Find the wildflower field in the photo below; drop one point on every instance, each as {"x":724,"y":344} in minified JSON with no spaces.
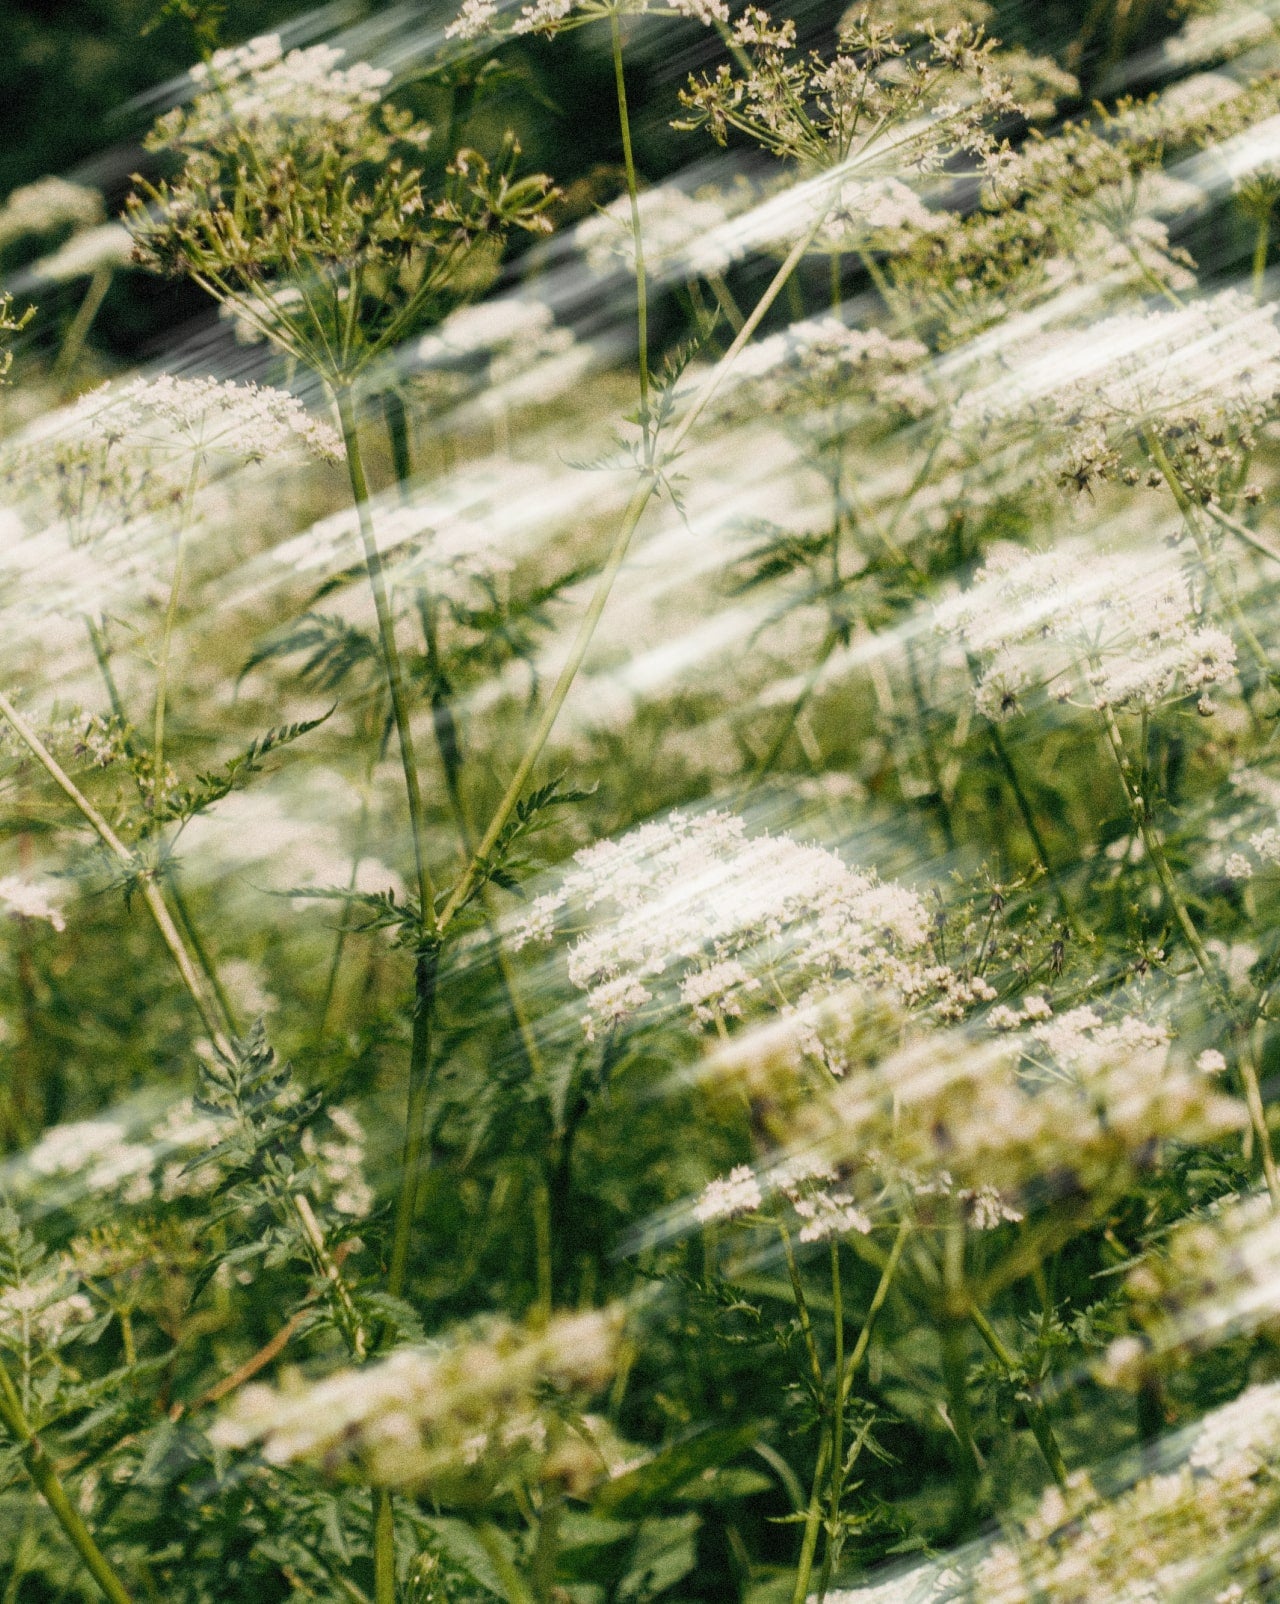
{"x":640,"y":806}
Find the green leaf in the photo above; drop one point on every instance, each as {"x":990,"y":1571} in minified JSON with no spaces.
{"x":206,"y":789}
{"x":645,"y":1487}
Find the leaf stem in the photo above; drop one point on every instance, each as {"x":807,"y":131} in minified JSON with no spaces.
{"x":844,"y":1381}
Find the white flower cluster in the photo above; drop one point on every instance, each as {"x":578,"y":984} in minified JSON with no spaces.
{"x":257,"y":89}
{"x":510,"y":335}
{"x":1213,"y":360}
{"x":1264,"y":842}
{"x":479,"y":17}
{"x":43,"y":1311}
{"x":247,"y":422}
{"x":97,"y":1156}
{"x":729,"y":1196}
{"x":882,"y":214}
{"x":420,"y":1416}
{"x":1165,"y":1536}
{"x":1081,"y":1095}
{"x":677,"y":229}
{"x":1125,"y":630}
{"x":106,"y":247}
{"x":698,"y":899}
{"x":339,"y":1159}
{"x":822,"y":358}
{"x":49,"y":206}
{"x":31,"y":899}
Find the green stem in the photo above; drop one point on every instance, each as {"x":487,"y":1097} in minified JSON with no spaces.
{"x":40,"y":1468}
{"x":421,"y":1083}
{"x":725,"y":297}
{"x":1242,"y":531}
{"x":166,"y":640}
{"x":812,"y":1524}
{"x":1261,"y":241}
{"x":637,"y":240}
{"x":630,"y":519}
{"x":207,"y":966}
{"x":427,"y":957}
{"x":1208,"y":557}
{"x":1036,"y":1413}
{"x":542,"y":1242}
{"x":102,"y":655}
{"x":837,"y":1422}
{"x":390,"y":654}
{"x":956,"y":1306}
{"x":509,"y":1578}
{"x":845,"y":1374}
{"x":384,"y":1547}
{"x":783,"y":734}
{"x":543,"y":1569}
{"x":802,"y":1303}
{"x":82,"y":322}
{"x":1033,"y":830}
{"x":357,"y":1338}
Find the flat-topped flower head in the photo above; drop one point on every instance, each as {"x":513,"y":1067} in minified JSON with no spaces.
{"x":198,"y":417}
{"x":259,"y":91}
{"x":1219,"y":354}
{"x":1125,"y":634}
{"x":675,"y":227}
{"x":1184,"y":388}
{"x":1088,"y":1095}
{"x":442,"y":1417}
{"x":691,"y":909}
{"x":883,"y":96}
{"x":821,"y":360}
{"x":26,"y":898}
{"x":480,"y":17}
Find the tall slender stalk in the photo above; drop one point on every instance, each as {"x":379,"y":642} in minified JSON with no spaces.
{"x":40,"y":1468}
{"x":640,"y":498}
{"x":390,"y":654}
{"x":1208,"y":557}
{"x":1037,"y":1416}
{"x":102,"y":656}
{"x":844,"y":1381}
{"x":384,"y":1547}
{"x":637,"y":235}
{"x":1261,"y":241}
{"x":170,"y":618}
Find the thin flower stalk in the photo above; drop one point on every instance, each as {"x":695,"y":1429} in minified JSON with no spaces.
{"x":1208,"y":557}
